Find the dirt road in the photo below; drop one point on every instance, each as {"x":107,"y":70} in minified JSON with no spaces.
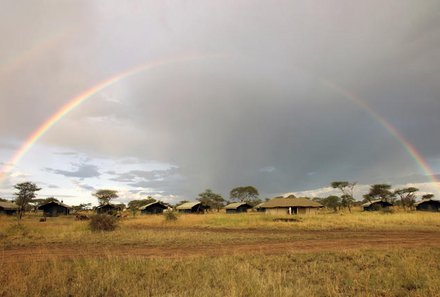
{"x":314,"y":241}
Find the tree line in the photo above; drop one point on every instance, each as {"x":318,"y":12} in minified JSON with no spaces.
{"x":404,"y":197}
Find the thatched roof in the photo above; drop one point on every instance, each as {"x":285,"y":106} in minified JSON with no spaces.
{"x":8,"y":205}
{"x":108,"y":205}
{"x":54,"y":202}
{"x":236,"y":205}
{"x":188,"y":205}
{"x":152,"y":203}
{"x":426,"y":200}
{"x":376,"y":201}
{"x":290,"y":202}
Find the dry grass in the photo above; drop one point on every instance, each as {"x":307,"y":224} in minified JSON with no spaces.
{"x":385,"y":272}
{"x":373,"y":273}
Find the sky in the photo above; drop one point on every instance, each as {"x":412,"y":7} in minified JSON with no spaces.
{"x":286,"y":96}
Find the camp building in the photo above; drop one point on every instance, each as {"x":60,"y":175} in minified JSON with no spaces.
{"x":54,"y":208}
{"x":8,"y":208}
{"x":376,"y":205}
{"x":290,"y":205}
{"x":107,"y":208}
{"x":153,"y":208}
{"x":237,"y":207}
{"x":428,"y":205}
{"x":192,"y":207}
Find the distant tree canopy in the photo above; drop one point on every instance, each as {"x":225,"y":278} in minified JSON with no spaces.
{"x":82,"y":207}
{"x":136,"y":204}
{"x":44,"y":200}
{"x":25,"y":194}
{"x":211,"y":199}
{"x":347,"y":190}
{"x":407,"y":196}
{"x":427,"y":196}
{"x":380,"y":191}
{"x":332,"y":202}
{"x":105,"y":196}
{"x":245,"y":194}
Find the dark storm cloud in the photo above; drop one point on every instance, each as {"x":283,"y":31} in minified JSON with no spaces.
{"x":81,"y":171}
{"x":253,"y":109}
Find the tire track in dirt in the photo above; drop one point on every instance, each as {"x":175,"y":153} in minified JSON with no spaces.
{"x":322,"y":241}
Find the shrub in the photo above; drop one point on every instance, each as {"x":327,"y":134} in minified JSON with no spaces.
{"x":170,"y":216}
{"x":103,"y":222}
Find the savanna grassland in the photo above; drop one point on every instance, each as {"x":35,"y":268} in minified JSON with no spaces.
{"x":342,"y":254}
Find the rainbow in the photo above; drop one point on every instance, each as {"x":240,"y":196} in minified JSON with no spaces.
{"x":36,"y":50}
{"x":81,"y":98}
{"x":406,"y":144}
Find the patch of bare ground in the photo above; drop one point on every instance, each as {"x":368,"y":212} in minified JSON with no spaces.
{"x":306,"y":241}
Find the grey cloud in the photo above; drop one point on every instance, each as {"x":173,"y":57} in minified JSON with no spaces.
{"x":253,"y":101}
{"x":82,"y":171}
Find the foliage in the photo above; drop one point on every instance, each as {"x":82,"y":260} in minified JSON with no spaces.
{"x":380,"y":191}
{"x":82,"y":207}
{"x":211,"y":199}
{"x":170,"y":216}
{"x":103,"y":222}
{"x":25,"y":194}
{"x":134,"y":205}
{"x":407,"y":196}
{"x":104,"y":196}
{"x":346,"y":189}
{"x":427,"y":196}
{"x":332,"y":202}
{"x":245,"y":194}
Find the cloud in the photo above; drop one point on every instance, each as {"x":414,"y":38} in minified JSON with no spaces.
{"x":82,"y":171}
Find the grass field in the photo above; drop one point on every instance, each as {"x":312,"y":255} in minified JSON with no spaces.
{"x":359,"y":254}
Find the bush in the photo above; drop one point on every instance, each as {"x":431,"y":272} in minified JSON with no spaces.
{"x":170,"y":216}
{"x":103,"y":222}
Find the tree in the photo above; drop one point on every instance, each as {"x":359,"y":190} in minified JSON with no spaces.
{"x":244,"y":194}
{"x":25,"y":194}
{"x":380,"y":191}
{"x":332,"y":202}
{"x":407,"y":196}
{"x":104,"y":196}
{"x":427,"y":196}
{"x":347,"y":189}
{"x":211,"y":199}
{"x":134,"y":205}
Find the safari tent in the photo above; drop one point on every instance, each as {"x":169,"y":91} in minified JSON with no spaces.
{"x":54,"y":208}
{"x":428,"y":205}
{"x":237,"y":207}
{"x":192,"y":207}
{"x":376,"y":205}
{"x":153,"y":208}
{"x":290,"y":206}
{"x":8,"y":208}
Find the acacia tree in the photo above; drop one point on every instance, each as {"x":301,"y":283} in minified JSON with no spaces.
{"x":427,"y":196}
{"x":104,"y":196}
{"x":25,"y":194}
{"x":244,"y":194}
{"x":211,"y":199}
{"x":347,"y":189}
{"x":380,"y":191}
{"x":407,"y":196}
{"x":332,"y":202}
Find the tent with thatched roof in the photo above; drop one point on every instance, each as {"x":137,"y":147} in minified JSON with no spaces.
{"x":290,"y":205}
{"x":237,"y":207}
{"x":192,"y":207}
{"x":7,"y":207}
{"x":428,"y":205}
{"x":54,"y":208}
{"x":376,"y":205}
{"x":153,"y":208}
